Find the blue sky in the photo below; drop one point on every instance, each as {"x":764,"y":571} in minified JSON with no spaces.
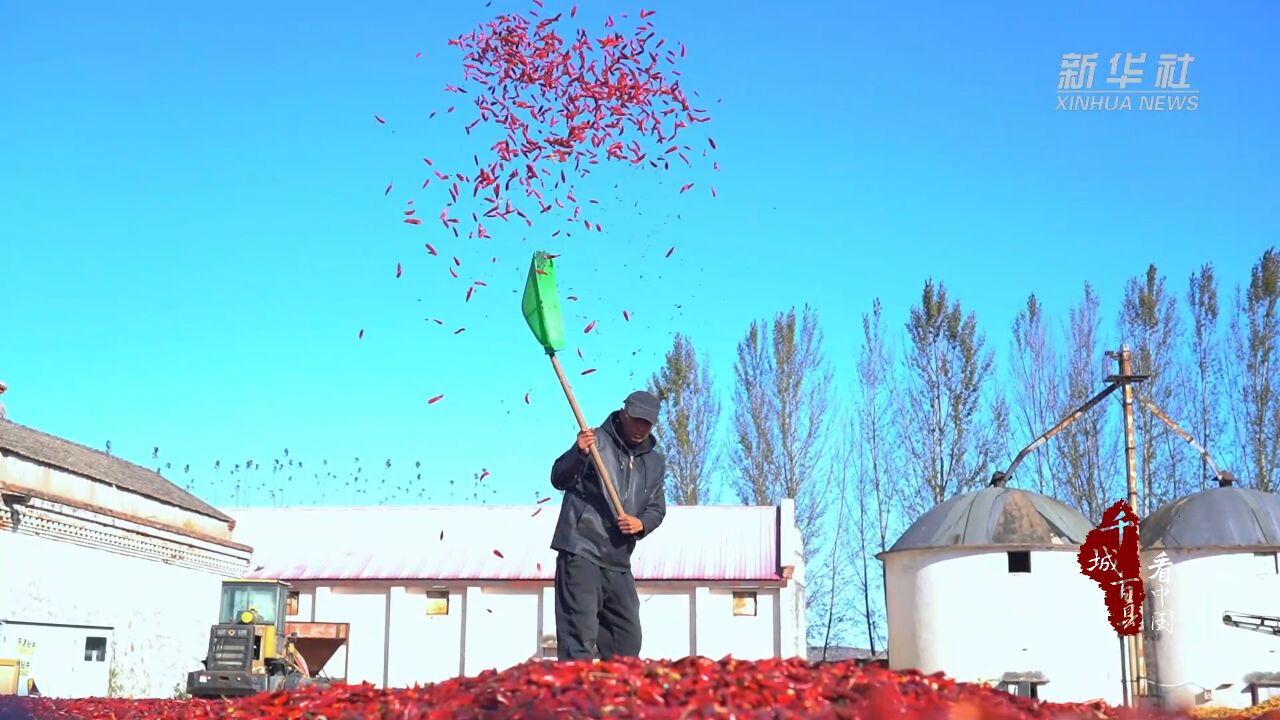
{"x":193,"y":227}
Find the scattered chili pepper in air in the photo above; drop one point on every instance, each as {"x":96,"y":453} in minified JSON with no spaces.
{"x":499,"y":554}
{"x":434,"y":400}
{"x":590,"y":326}
{"x":588,"y":372}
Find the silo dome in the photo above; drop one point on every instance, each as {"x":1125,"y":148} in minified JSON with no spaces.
{"x":996,"y":569}
{"x":1213,"y":599}
{"x":996,"y":516}
{"x":1227,"y":516}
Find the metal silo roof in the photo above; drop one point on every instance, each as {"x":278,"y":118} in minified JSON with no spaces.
{"x":1220,"y":517}
{"x":997,"y":517}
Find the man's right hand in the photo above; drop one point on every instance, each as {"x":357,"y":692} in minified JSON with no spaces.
{"x":586,"y":439}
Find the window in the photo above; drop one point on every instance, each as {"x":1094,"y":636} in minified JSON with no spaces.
{"x":437,"y":603}
{"x":744,"y":603}
{"x":95,"y":649}
{"x":291,"y":605}
{"x":1020,"y":561}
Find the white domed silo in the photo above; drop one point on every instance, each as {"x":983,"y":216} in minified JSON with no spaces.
{"x":986,"y":587}
{"x":1221,"y":548}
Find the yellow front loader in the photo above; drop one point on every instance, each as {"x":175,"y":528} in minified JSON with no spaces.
{"x":249,"y":650}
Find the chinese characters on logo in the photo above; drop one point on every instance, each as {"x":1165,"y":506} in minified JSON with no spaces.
{"x":1109,"y":557}
{"x":1167,"y":88}
{"x":1162,"y":618}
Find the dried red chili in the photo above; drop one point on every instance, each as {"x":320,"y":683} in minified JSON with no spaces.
{"x":694,"y":687}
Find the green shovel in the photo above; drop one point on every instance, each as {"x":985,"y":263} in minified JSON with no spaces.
{"x":541,"y":307}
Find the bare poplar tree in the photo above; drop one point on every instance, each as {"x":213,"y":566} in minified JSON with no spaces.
{"x":1149,"y":321}
{"x":782,"y":398}
{"x":841,"y":576}
{"x":1255,"y":344}
{"x":690,"y":415}
{"x":1085,"y":465}
{"x":1037,"y":392}
{"x":875,"y":491}
{"x":1205,"y":391}
{"x":949,"y":444}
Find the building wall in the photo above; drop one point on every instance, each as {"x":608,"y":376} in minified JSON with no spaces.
{"x":496,"y":626}
{"x":17,"y":474}
{"x":1197,"y":650}
{"x":159,"y":614}
{"x":963,"y":613}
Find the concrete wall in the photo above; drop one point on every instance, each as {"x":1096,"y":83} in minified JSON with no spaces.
{"x":1196,"y":650}
{"x":159,"y":614}
{"x":498,"y":625}
{"x":963,"y":613}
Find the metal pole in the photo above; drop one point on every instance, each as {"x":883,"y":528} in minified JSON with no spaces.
{"x":1124,"y":668}
{"x":1137,"y":659}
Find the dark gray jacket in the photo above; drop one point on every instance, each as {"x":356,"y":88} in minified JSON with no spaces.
{"x":588,"y":525}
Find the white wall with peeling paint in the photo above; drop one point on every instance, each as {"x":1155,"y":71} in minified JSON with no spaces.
{"x":964,"y":613}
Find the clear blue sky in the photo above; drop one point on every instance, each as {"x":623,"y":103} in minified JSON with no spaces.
{"x":193,"y":226}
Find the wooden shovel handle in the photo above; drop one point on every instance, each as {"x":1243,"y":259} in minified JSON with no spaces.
{"x":582,"y":423}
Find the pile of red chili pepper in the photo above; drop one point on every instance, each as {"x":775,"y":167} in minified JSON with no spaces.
{"x":688,"y":688}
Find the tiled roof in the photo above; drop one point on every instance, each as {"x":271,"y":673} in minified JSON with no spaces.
{"x":720,"y":543}
{"x":96,"y":465}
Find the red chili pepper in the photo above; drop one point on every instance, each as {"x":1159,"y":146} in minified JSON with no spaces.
{"x":499,"y":554}
{"x":361,"y":335}
{"x":434,"y":400}
{"x":431,"y":249}
{"x":591,"y":325}
{"x":588,"y":372}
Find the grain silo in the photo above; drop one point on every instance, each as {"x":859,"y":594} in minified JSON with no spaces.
{"x":1212,"y":614}
{"x":986,"y":588}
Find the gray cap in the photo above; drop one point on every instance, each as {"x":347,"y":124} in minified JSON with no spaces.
{"x":642,"y":406}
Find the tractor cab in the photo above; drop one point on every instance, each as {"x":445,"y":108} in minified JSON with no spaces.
{"x":254,"y":602}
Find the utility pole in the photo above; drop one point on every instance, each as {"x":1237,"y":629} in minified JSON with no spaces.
{"x":1137,"y":655}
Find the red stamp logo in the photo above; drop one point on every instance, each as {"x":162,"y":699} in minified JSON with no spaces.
{"x":1109,"y":556}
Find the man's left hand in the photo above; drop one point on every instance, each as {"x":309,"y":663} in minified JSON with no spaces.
{"x":630,"y":525}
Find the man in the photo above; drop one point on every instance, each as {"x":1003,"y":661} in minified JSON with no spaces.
{"x":597,"y":607}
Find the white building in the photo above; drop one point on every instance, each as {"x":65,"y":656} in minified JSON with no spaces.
{"x":986,"y":587}
{"x":428,"y":598}
{"x":1221,"y":546}
{"x":109,"y":574}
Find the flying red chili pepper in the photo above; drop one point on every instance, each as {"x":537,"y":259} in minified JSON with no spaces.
{"x":588,"y":372}
{"x":434,"y":400}
{"x":590,"y":326}
{"x":413,"y":221}
{"x":495,"y":552}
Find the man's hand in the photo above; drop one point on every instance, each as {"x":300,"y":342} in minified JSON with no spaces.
{"x":586,"y":439}
{"x":630,"y":525}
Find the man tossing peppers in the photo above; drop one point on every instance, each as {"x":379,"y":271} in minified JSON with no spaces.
{"x":597,"y":607}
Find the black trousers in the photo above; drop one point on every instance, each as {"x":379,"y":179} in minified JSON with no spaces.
{"x":597,"y":611}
